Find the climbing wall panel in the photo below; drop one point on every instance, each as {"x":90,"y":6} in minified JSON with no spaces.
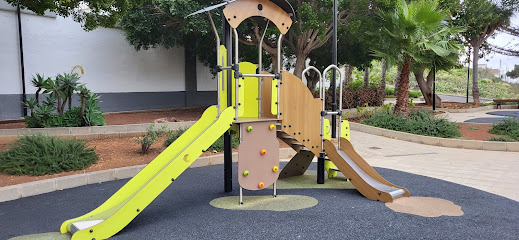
{"x":258,"y":155}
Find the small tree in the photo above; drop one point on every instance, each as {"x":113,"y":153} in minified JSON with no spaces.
{"x":514,"y":73}
{"x":410,"y":35}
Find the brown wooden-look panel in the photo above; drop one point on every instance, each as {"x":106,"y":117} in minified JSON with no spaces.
{"x":260,"y":167}
{"x":297,"y":165}
{"x":347,"y":147}
{"x":240,"y":10}
{"x":300,"y":112}
{"x":359,"y":182}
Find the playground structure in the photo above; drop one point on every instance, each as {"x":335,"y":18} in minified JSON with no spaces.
{"x":259,"y":107}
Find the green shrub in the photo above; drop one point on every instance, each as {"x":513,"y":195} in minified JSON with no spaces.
{"x":509,"y":127}
{"x":39,"y":155}
{"x":420,"y":122}
{"x":217,"y":146}
{"x":502,"y":139}
{"x":390,"y":91}
{"x":415,"y":94}
{"x":150,"y":137}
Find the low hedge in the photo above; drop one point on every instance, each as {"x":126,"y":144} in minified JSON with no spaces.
{"x":39,"y":155}
{"x":352,"y":98}
{"x":420,"y":122}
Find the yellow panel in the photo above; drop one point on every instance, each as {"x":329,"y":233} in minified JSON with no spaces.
{"x":327,"y":129}
{"x":222,"y":77}
{"x":140,"y":191}
{"x":345,"y":129}
{"x":248,"y":91}
{"x":274,"y":99}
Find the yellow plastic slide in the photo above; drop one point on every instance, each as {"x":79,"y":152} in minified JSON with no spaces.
{"x":120,"y":209}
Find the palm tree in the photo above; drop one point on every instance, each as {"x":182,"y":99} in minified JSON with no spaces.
{"x":409,"y":34}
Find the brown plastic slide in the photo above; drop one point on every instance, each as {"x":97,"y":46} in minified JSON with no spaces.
{"x":367,"y":181}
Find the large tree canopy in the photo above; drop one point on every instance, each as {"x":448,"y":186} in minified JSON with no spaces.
{"x":514,"y":73}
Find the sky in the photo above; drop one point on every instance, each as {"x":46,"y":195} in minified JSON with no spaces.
{"x":504,"y":40}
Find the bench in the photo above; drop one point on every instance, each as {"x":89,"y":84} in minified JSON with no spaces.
{"x":501,"y":101}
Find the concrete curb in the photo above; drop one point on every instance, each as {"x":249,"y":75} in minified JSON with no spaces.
{"x":435,"y":141}
{"x":17,"y":191}
{"x":469,"y":110}
{"x":8,"y":136}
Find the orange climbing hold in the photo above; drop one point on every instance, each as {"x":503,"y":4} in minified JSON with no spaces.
{"x":261,"y":185}
{"x":263,"y":152}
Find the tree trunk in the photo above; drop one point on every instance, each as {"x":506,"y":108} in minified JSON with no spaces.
{"x":274,"y":63}
{"x":69,"y":101}
{"x":83,"y":101}
{"x":348,"y":70}
{"x":38,"y":96}
{"x":475,"y":87}
{"x":383,"y":74}
{"x":312,"y":78}
{"x":300,"y":65}
{"x":402,"y":101}
{"x":426,"y":87}
{"x":366,"y":77}
{"x":58,"y":96}
{"x":397,"y":81}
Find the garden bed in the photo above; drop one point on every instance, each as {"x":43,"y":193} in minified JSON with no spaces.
{"x":113,"y":153}
{"x":170,"y":115}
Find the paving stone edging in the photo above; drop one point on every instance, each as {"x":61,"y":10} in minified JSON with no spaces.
{"x":470,"y":110}
{"x":8,"y":136}
{"x":22,"y":190}
{"x":436,"y":141}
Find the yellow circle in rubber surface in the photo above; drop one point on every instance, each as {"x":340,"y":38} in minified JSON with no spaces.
{"x":275,"y":168}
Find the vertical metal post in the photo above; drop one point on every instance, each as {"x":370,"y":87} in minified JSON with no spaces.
{"x":260,"y":68}
{"x":227,"y":163}
{"x":468,"y":76}
{"x":275,"y":189}
{"x":22,"y":65}
{"x":217,"y":60}
{"x":280,"y":64}
{"x":236,"y":80}
{"x":434,"y":88}
{"x":320,"y":168}
{"x":241,"y":195}
{"x":334,"y":62}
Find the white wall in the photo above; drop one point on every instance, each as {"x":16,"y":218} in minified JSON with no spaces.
{"x":9,"y":54}
{"x":55,"y":45}
{"x":205,"y":80}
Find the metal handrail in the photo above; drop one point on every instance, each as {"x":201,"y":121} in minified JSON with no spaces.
{"x":236,"y":80}
{"x":260,"y":68}
{"x":217,"y":59}
{"x":340,"y":97}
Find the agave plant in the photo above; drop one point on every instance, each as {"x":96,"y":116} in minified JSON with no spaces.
{"x":39,"y":82}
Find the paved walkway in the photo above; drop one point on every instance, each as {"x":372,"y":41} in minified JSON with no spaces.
{"x":491,"y":171}
{"x":462,"y":117}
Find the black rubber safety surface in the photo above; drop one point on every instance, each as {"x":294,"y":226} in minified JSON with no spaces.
{"x":183,"y":212}
{"x":514,"y":114}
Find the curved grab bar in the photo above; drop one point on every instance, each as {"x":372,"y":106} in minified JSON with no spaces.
{"x":320,"y":96}
{"x":340,"y":98}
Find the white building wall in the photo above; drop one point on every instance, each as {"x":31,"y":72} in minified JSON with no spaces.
{"x":9,"y":54}
{"x":205,"y":80}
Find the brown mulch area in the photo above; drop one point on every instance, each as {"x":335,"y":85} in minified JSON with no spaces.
{"x":476,"y":131}
{"x":113,"y":153}
{"x":170,"y":115}
{"x":454,"y":105}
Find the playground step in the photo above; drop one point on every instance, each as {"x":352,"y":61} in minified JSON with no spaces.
{"x":74,"y":227}
{"x":289,"y":137}
{"x":334,"y":169}
{"x":297,"y":144}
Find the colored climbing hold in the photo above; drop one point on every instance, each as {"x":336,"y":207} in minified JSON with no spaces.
{"x":263,"y":152}
{"x":249,"y":129}
{"x":261,"y":185}
{"x":275,"y":168}
{"x":246,"y":173}
{"x":272,"y":126}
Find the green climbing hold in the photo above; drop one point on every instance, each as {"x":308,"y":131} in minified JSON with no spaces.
{"x":249,"y":129}
{"x":246,"y":173}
